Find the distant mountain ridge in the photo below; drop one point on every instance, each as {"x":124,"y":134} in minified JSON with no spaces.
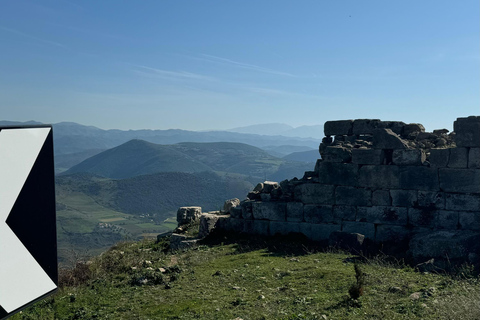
{"x":281,"y":129}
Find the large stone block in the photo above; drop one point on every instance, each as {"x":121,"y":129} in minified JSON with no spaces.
{"x":474,"y":158}
{"x":459,"y":180}
{"x":284,"y":228}
{"x":247,"y":209}
{"x":186,"y":215}
{"x":344,"y":213}
{"x":257,"y":227}
{"x":273,"y":211}
{"x":403,"y":198}
{"x":295,"y":211}
{"x":469,"y":220}
{"x":368,"y":156}
{"x":444,"y":244}
{"x":409,"y":157}
{"x":352,"y":196}
{"x":236,"y":212}
{"x":387,"y":139}
{"x":412,"y":128}
{"x":365,"y":126}
{"x":337,"y":154}
{"x":462,"y":202}
{"x":395,"y":126}
{"x":389,"y":233}
{"x":381,"y":198}
{"x":382,"y":177}
{"x":318,"y":232}
{"x":446,"y":219}
{"x":419,"y":178}
{"x":230,"y":224}
{"x":431,"y":199}
{"x":458,"y":158}
{"x":421,"y":217}
{"x":318,"y":214}
{"x":342,"y":174}
{"x":365,"y":228}
{"x":341,"y":127}
{"x":382,"y":215}
{"x":467,"y":131}
{"x":438,"y":158}
{"x":314,"y":193}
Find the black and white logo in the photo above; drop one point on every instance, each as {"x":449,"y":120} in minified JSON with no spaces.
{"x":28,"y":244}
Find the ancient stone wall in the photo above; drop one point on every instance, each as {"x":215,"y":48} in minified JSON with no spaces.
{"x":392,"y":182}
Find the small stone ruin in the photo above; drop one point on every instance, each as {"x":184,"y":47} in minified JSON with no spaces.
{"x":401,"y":189}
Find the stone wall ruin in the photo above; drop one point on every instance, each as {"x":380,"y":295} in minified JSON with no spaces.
{"x":395,"y":184}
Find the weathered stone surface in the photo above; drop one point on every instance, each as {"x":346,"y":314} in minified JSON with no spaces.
{"x":268,"y":186}
{"x":318,"y":232}
{"x":230,"y":224}
{"x":409,"y":157}
{"x":444,"y":245}
{"x":258,"y":187}
{"x":236,"y":212}
{"x":431,"y":199}
{"x":462,"y":202}
{"x":439,"y":157}
{"x":265,"y":197}
{"x":368,"y":156}
{"x":381,"y":177}
{"x":314,"y":193}
{"x":257,"y":227}
{"x":445,"y":219}
{"x":337,"y":154}
{"x":342,"y":174}
{"x":421,"y":217}
{"x":365,"y":228}
{"x":344,"y":213}
{"x":365,"y":126}
{"x":419,"y":178}
{"x":381,"y":198}
{"x":353,"y":196}
{"x":382,"y":215}
{"x":412,"y":128}
{"x":390,"y":233}
{"x":403,"y":198}
{"x":467,"y":131}
{"x":474,"y":158}
{"x":180,"y":241}
{"x":458,"y":157}
{"x":341,"y":127}
{"x":231,"y":203}
{"x":284,"y":228}
{"x":469,"y":220}
{"x":395,"y":126}
{"x":295,"y":211}
{"x":273,"y":211}
{"x":459,"y":180}
{"x":247,"y":209}
{"x":186,"y":215}
{"x":347,"y":241}
{"x":208,"y":222}
{"x":387,"y":139}
{"x":318,"y":214}
{"x":253,"y":195}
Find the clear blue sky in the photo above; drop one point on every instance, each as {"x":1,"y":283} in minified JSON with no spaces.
{"x":221,"y":64}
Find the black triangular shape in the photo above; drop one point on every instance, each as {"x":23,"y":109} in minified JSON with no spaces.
{"x":3,"y":313}
{"x":32,"y":217}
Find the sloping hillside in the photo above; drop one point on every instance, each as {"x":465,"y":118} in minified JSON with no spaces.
{"x":138,"y":157}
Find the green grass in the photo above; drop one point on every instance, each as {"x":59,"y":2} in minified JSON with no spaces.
{"x":252,"y":279}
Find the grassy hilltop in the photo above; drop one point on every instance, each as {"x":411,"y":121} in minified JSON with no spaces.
{"x":238,"y":278}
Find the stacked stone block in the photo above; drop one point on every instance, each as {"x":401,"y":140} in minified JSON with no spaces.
{"x":387,"y":180}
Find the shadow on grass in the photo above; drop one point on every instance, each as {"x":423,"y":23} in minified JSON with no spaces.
{"x":291,"y":245}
